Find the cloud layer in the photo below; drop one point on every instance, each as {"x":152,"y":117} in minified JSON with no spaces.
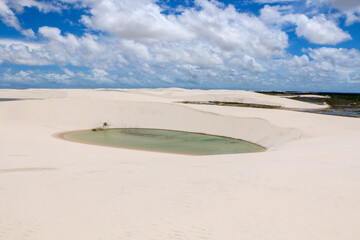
{"x":140,"y":43}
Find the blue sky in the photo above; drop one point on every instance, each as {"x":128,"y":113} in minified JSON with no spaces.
{"x":299,"y":45}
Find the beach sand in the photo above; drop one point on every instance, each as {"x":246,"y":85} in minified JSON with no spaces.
{"x":305,"y":186}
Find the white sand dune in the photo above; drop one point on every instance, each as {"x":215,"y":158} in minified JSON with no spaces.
{"x":305,"y":186}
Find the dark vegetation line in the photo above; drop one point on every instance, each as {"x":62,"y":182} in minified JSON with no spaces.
{"x":340,"y":104}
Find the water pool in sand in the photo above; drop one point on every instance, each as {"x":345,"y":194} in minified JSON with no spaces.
{"x":164,"y":141}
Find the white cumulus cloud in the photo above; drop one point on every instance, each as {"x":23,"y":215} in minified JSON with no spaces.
{"x":134,"y":19}
{"x":350,"y":8}
{"x":210,"y":22}
{"x":21,"y":53}
{"x":10,"y":19}
{"x":325,"y":64}
{"x":42,"y":6}
{"x":317,"y":29}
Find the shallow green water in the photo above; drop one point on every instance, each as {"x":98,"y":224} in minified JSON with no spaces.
{"x":164,"y":141}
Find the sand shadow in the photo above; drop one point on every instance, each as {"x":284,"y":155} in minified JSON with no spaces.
{"x":12,"y":170}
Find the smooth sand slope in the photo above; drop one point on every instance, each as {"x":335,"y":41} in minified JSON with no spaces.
{"x":305,"y":186}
